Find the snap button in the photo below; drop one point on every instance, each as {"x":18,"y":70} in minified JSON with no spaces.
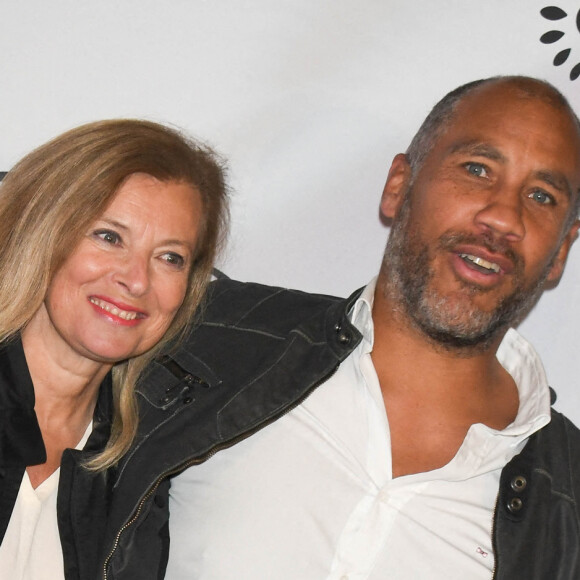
{"x":338,"y":327}
{"x":518,"y":483}
{"x":165,"y":400}
{"x":187,"y":400}
{"x":515,"y":505}
{"x":344,"y":337}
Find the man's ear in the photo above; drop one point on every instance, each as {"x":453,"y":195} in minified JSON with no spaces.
{"x":396,"y":186}
{"x":557,"y":268}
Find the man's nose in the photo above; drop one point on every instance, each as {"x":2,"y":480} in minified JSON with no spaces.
{"x":503,"y":214}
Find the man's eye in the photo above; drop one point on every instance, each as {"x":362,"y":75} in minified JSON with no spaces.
{"x":542,"y":197}
{"x":476,"y":169}
{"x":174,"y":259}
{"x":108,"y":236}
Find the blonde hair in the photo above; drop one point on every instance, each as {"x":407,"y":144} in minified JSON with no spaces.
{"x":50,"y":198}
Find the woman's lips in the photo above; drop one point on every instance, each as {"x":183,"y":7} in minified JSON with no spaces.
{"x":122,"y":312}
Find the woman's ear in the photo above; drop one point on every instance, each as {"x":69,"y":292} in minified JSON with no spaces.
{"x":396,"y":186}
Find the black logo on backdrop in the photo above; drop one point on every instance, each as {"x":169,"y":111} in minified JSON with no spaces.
{"x":554,"y":14}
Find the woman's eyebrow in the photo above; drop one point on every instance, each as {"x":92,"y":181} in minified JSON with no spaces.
{"x":113,"y":222}
{"x":121,"y":226}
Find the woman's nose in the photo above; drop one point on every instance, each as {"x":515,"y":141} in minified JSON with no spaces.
{"x":133,"y":274}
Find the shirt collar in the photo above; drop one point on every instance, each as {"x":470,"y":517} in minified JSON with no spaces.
{"x":515,"y":354}
{"x":361,"y":314}
{"x":523,"y":363}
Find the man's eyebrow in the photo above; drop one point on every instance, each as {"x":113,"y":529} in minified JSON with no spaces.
{"x":479,"y":149}
{"x":553,"y":178}
{"x":557,"y":180}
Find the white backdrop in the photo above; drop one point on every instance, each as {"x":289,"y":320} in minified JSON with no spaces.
{"x":308,"y":99}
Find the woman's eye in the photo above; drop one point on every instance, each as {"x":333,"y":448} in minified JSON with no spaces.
{"x":108,"y":236}
{"x":542,"y":197}
{"x":476,"y":169}
{"x":174,"y":259}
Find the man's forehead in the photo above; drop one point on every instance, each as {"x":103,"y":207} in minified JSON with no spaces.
{"x":501,"y":105}
{"x":493,"y":99}
{"x":502,"y":96}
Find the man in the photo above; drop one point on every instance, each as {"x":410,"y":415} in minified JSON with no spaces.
{"x":403,"y":433}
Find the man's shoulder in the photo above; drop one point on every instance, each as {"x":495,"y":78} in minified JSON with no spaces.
{"x":558,"y":452}
{"x":231,"y":303}
{"x":562,"y":430}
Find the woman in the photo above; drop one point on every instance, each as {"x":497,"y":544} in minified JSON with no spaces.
{"x":108,"y":233}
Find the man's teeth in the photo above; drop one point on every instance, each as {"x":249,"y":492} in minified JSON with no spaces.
{"x":481,"y":262}
{"x":124,"y":314}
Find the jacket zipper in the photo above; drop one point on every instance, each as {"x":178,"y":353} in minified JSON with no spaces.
{"x":493,"y":539}
{"x":208,"y":455}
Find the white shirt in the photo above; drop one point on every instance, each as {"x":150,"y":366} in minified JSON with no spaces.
{"x":31,"y":548}
{"x":312,"y":495}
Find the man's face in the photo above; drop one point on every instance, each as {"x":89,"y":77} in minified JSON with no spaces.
{"x":483,"y":225}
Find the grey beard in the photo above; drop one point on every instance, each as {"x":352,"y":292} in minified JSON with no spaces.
{"x":408,"y":277}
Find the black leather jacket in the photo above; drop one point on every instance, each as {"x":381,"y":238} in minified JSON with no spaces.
{"x":258,"y":352}
{"x":82,"y":515}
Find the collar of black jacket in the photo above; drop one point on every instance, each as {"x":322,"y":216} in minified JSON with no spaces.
{"x":20,"y":438}
{"x":21,"y":441}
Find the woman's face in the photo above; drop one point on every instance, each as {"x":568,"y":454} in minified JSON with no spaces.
{"x":117,"y":293}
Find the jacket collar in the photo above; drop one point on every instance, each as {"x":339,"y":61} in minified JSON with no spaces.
{"x":21,"y":441}
{"x":20,"y":438}
{"x":102,"y":417}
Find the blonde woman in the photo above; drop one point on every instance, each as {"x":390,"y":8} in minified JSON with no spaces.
{"x":108,"y":233}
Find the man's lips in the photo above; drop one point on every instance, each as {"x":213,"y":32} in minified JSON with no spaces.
{"x":117,"y":309}
{"x":482,"y":265}
{"x":484,"y":261}
{"x":481,"y":261}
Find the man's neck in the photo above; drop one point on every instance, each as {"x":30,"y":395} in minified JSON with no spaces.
{"x":433,"y":394}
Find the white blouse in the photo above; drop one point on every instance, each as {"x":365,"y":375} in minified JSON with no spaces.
{"x":31,"y":548}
